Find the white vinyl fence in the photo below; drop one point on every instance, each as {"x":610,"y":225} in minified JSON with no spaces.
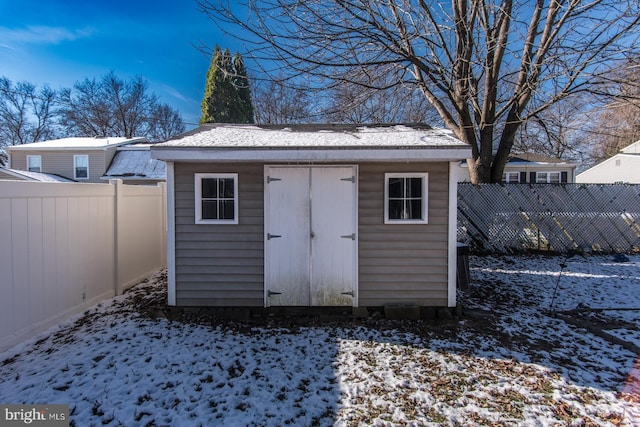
{"x":67,"y":246}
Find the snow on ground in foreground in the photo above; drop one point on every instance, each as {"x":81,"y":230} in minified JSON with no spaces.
{"x":511,"y":363}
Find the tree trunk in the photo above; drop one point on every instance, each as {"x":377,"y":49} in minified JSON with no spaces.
{"x":504,"y":148}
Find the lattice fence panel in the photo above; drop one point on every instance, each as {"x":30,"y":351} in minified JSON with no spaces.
{"x":557,"y":217}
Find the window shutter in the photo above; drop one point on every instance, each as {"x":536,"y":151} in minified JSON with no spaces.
{"x":532,"y":177}
{"x":564,"y":176}
{"x":523,"y":177}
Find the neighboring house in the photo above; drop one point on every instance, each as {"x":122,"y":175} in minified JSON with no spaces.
{"x":531,"y":168}
{"x":312,"y":215}
{"x":78,"y":159}
{"x":134,"y":165}
{"x":19,"y":175}
{"x":624,"y":167}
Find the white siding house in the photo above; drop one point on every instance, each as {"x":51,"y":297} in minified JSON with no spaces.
{"x":624,"y":167}
{"x":530,"y":168}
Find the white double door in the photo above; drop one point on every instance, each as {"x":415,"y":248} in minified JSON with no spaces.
{"x":310,"y":236}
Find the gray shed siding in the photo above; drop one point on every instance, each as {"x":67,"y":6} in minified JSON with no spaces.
{"x":220,"y":264}
{"x":402,"y":262}
{"x":223,"y":265}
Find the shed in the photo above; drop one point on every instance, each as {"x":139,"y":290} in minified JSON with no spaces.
{"x":312,"y":215}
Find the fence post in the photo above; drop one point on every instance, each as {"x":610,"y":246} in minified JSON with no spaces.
{"x":117,"y":241}
{"x":163,"y":230}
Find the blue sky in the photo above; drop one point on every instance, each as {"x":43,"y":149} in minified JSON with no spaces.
{"x":59,"y":42}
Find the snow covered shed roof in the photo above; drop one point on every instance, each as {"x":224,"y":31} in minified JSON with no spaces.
{"x":330,"y":142}
{"x":83,"y":143}
{"x":135,"y":163}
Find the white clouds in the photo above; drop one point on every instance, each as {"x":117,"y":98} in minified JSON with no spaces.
{"x":43,"y":35}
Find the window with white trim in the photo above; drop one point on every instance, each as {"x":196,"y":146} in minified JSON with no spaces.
{"x":81,"y":166}
{"x":216,"y":198}
{"x":405,"y":198}
{"x":547,"y":177}
{"x":511,"y":177}
{"x":34,"y":163}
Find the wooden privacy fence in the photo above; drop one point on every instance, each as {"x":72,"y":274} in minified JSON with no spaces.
{"x":508,"y":218}
{"x":66,"y":246}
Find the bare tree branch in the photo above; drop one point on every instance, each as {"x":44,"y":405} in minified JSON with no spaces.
{"x":486,"y":66}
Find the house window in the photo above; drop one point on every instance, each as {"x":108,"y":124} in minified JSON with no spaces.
{"x":511,"y":177}
{"x":216,"y":197}
{"x":81,"y":166}
{"x":405,"y":196}
{"x":34,"y":163}
{"x":547,"y":177}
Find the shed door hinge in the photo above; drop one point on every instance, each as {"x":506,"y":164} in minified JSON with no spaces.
{"x":350,"y":179}
{"x":271,"y":293}
{"x":347,"y":293}
{"x":351,"y":236}
{"x":272,"y":236}
{"x":269,"y":179}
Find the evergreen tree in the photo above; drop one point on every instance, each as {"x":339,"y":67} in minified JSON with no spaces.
{"x":241,"y":83}
{"x":226,"y":94}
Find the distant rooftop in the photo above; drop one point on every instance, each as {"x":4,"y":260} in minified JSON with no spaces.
{"x":35,"y":176}
{"x":135,"y":163}
{"x":534,"y":158}
{"x":84,"y":143}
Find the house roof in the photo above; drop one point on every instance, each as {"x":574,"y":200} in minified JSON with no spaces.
{"x":536,"y":158}
{"x":632,"y":149}
{"x":313,"y":142}
{"x":35,"y":176}
{"x":135,"y":163}
{"x":84,"y":143}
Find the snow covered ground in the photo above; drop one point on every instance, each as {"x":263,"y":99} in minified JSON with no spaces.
{"x":519,"y":356}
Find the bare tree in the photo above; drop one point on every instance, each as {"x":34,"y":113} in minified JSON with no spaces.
{"x":617,"y":122}
{"x":115,"y":107}
{"x":26,"y":114}
{"x":363,"y":103}
{"x":559,"y":131}
{"x":485,"y":66}
{"x":276,"y":102}
{"x":165,"y":122}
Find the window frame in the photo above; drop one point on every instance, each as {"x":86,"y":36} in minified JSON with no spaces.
{"x":75,"y":166}
{"x":198,"y":177}
{"x":548,"y":178}
{"x":507,"y":180}
{"x":33,"y":157}
{"x":424,"y":197}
